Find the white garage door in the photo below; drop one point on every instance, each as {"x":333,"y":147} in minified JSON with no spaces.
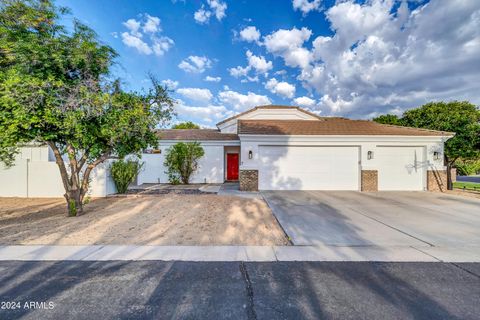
{"x":308,"y":168}
{"x":400,"y":168}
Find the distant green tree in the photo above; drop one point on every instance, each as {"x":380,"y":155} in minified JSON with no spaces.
{"x":54,"y":90}
{"x":460,"y":117}
{"x":181,"y":161}
{"x":186,"y":125}
{"x":388,"y":119}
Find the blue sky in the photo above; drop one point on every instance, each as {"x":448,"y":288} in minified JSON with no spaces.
{"x":349,"y":58}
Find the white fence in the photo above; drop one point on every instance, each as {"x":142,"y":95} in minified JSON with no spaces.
{"x":42,"y":179}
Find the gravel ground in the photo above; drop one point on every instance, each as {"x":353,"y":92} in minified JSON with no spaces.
{"x":169,"y":219}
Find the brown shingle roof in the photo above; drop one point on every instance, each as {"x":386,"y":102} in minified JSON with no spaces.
{"x":330,"y":126}
{"x":194,"y":134}
{"x":269,"y":107}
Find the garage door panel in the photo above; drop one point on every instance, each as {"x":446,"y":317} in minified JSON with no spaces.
{"x":308,"y":168}
{"x":400,"y":168}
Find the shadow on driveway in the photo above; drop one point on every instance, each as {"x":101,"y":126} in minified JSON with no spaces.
{"x":353,"y":219}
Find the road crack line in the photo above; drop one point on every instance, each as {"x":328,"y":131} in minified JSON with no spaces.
{"x":465,"y":270}
{"x":251,"y":314}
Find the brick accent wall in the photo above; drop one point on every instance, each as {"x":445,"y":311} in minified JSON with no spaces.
{"x":369,"y":180}
{"x":248,"y":180}
{"x":437,"y":180}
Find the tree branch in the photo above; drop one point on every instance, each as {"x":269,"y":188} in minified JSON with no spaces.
{"x":88,"y":171}
{"x":61,"y":164}
{"x":82,"y":160}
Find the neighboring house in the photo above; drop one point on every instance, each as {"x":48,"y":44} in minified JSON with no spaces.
{"x":271,"y":148}
{"x":288,"y":148}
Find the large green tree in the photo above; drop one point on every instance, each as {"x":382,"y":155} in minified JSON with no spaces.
{"x":55,"y":89}
{"x":460,"y":117}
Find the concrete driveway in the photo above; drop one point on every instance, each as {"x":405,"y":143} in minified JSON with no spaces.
{"x":344,"y":218}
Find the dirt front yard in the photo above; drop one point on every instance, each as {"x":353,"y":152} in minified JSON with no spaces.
{"x":144,"y":220}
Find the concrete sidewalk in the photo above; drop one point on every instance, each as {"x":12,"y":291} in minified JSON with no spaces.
{"x":241,"y":253}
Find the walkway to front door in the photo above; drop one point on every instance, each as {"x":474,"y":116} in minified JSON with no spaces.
{"x":232,"y":166}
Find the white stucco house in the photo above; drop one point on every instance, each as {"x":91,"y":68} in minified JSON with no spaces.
{"x":288,"y":148}
{"x":272,"y":148}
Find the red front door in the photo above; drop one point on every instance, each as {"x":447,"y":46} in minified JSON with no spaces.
{"x":232,"y":166}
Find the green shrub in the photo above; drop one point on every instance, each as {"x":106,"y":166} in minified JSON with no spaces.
{"x":467,"y":167}
{"x":181,"y":161}
{"x":124,"y":172}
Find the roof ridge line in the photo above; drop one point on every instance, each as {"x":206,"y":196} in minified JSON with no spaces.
{"x":407,"y":127}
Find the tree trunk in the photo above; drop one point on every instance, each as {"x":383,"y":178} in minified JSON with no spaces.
{"x":75,"y":190}
{"x":74,"y":203}
{"x":449,"y":162}
{"x":449,"y":176}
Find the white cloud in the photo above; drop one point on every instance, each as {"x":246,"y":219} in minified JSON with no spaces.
{"x":133,"y":27}
{"x":241,"y":102}
{"x":154,"y":43}
{"x":196,"y":94}
{"x":195,"y":64}
{"x":250,"y":34}
{"x":218,"y":7}
{"x":304,"y":102}
{"x":215,"y":7}
{"x":206,"y":114}
{"x":170,"y":84}
{"x":352,"y":22}
{"x":383,"y":57}
{"x":239,"y":71}
{"x":256,"y":63}
{"x":201,"y":15}
{"x":288,"y":45}
{"x":252,"y":79}
{"x":282,"y":88}
{"x":152,"y":24}
{"x":213,"y":79}
{"x":161,"y":45}
{"x":133,"y":41}
{"x":305,"y":6}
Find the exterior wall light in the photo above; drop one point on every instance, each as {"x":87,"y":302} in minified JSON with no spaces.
{"x":250,"y":154}
{"x":436,"y":155}
{"x":370,"y":155}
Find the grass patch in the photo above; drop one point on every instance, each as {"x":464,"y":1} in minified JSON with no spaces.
{"x":467,"y":185}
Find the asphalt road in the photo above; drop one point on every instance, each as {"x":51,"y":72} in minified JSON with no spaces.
{"x":469,"y":179}
{"x":234,"y":290}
